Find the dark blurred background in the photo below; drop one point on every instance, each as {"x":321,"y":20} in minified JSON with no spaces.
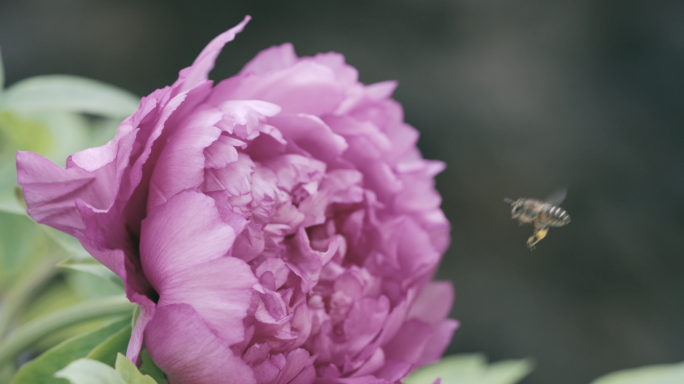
{"x":517,"y":97}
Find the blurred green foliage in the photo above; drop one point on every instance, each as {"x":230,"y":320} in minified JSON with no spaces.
{"x":43,"y":368}
{"x":472,"y":369}
{"x":87,"y":371}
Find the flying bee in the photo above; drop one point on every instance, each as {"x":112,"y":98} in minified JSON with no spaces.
{"x":543,"y":214}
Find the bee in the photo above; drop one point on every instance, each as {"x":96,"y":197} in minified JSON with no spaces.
{"x":543,"y":214}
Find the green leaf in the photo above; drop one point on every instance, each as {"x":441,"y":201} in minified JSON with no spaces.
{"x":69,"y":243}
{"x":508,"y":371}
{"x":27,"y":259}
{"x":472,"y":369}
{"x":654,"y":374}
{"x":42,"y":369}
{"x":29,"y":333}
{"x":53,"y":134}
{"x":86,"y":371}
{"x":22,"y":246}
{"x":107,"y":351}
{"x":69,"y":93}
{"x":25,"y":132}
{"x":68,"y":133}
{"x":130,"y":373}
{"x":92,"y":267}
{"x":148,"y":367}
{"x":89,"y":286}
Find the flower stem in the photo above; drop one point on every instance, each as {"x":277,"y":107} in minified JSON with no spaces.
{"x":26,"y":335}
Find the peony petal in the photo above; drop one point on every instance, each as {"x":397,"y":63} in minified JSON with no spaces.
{"x":181,"y":234}
{"x":344,"y":73}
{"x":375,"y":362}
{"x":51,"y":191}
{"x":221,"y":152}
{"x":433,"y":303}
{"x":306,"y":87}
{"x":394,"y":370}
{"x":343,"y":186}
{"x":188,"y":352}
{"x":312,"y":135}
{"x":235,"y":178}
{"x":438,"y":342}
{"x":204,"y":63}
{"x":296,"y":361}
{"x":181,"y":164}
{"x":45,"y":186}
{"x":219,"y":290}
{"x":271,"y":59}
{"x":409,"y":342}
{"x":293,"y":170}
{"x":147,"y":309}
{"x":249,"y":244}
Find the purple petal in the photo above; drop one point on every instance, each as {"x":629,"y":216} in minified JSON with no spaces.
{"x":183,"y":233}
{"x":312,"y":135}
{"x":188,"y":352}
{"x":438,"y":342}
{"x":219,"y":290}
{"x":204,"y":63}
{"x":235,"y":178}
{"x":305,"y":87}
{"x":221,"y":152}
{"x":344,"y":73}
{"x":271,"y":59}
{"x":181,"y":164}
{"x":409,"y":342}
{"x":433,"y":302}
{"x":394,"y":370}
{"x":147,"y":309}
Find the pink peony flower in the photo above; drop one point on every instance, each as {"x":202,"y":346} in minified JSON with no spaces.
{"x":281,"y":227}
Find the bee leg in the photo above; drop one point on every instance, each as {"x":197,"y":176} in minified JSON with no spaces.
{"x":539,"y":233}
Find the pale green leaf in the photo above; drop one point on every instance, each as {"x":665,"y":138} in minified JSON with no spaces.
{"x":653,"y":374}
{"x":70,"y":244}
{"x":92,"y":267}
{"x":107,"y":351}
{"x":101,"y":131}
{"x":28,"y":334}
{"x":508,"y":371}
{"x":11,"y":200}
{"x":69,"y":93}
{"x":86,"y":371}
{"x":471,"y":369}
{"x":68,"y":133}
{"x":43,"y":368}
{"x":22,"y":245}
{"x":25,"y":133}
{"x":89,"y":286}
{"x":130,"y":373}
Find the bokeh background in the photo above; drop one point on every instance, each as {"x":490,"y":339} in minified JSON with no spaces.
{"x":518,"y":97}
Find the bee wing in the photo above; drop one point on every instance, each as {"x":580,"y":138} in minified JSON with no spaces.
{"x":557,"y":197}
